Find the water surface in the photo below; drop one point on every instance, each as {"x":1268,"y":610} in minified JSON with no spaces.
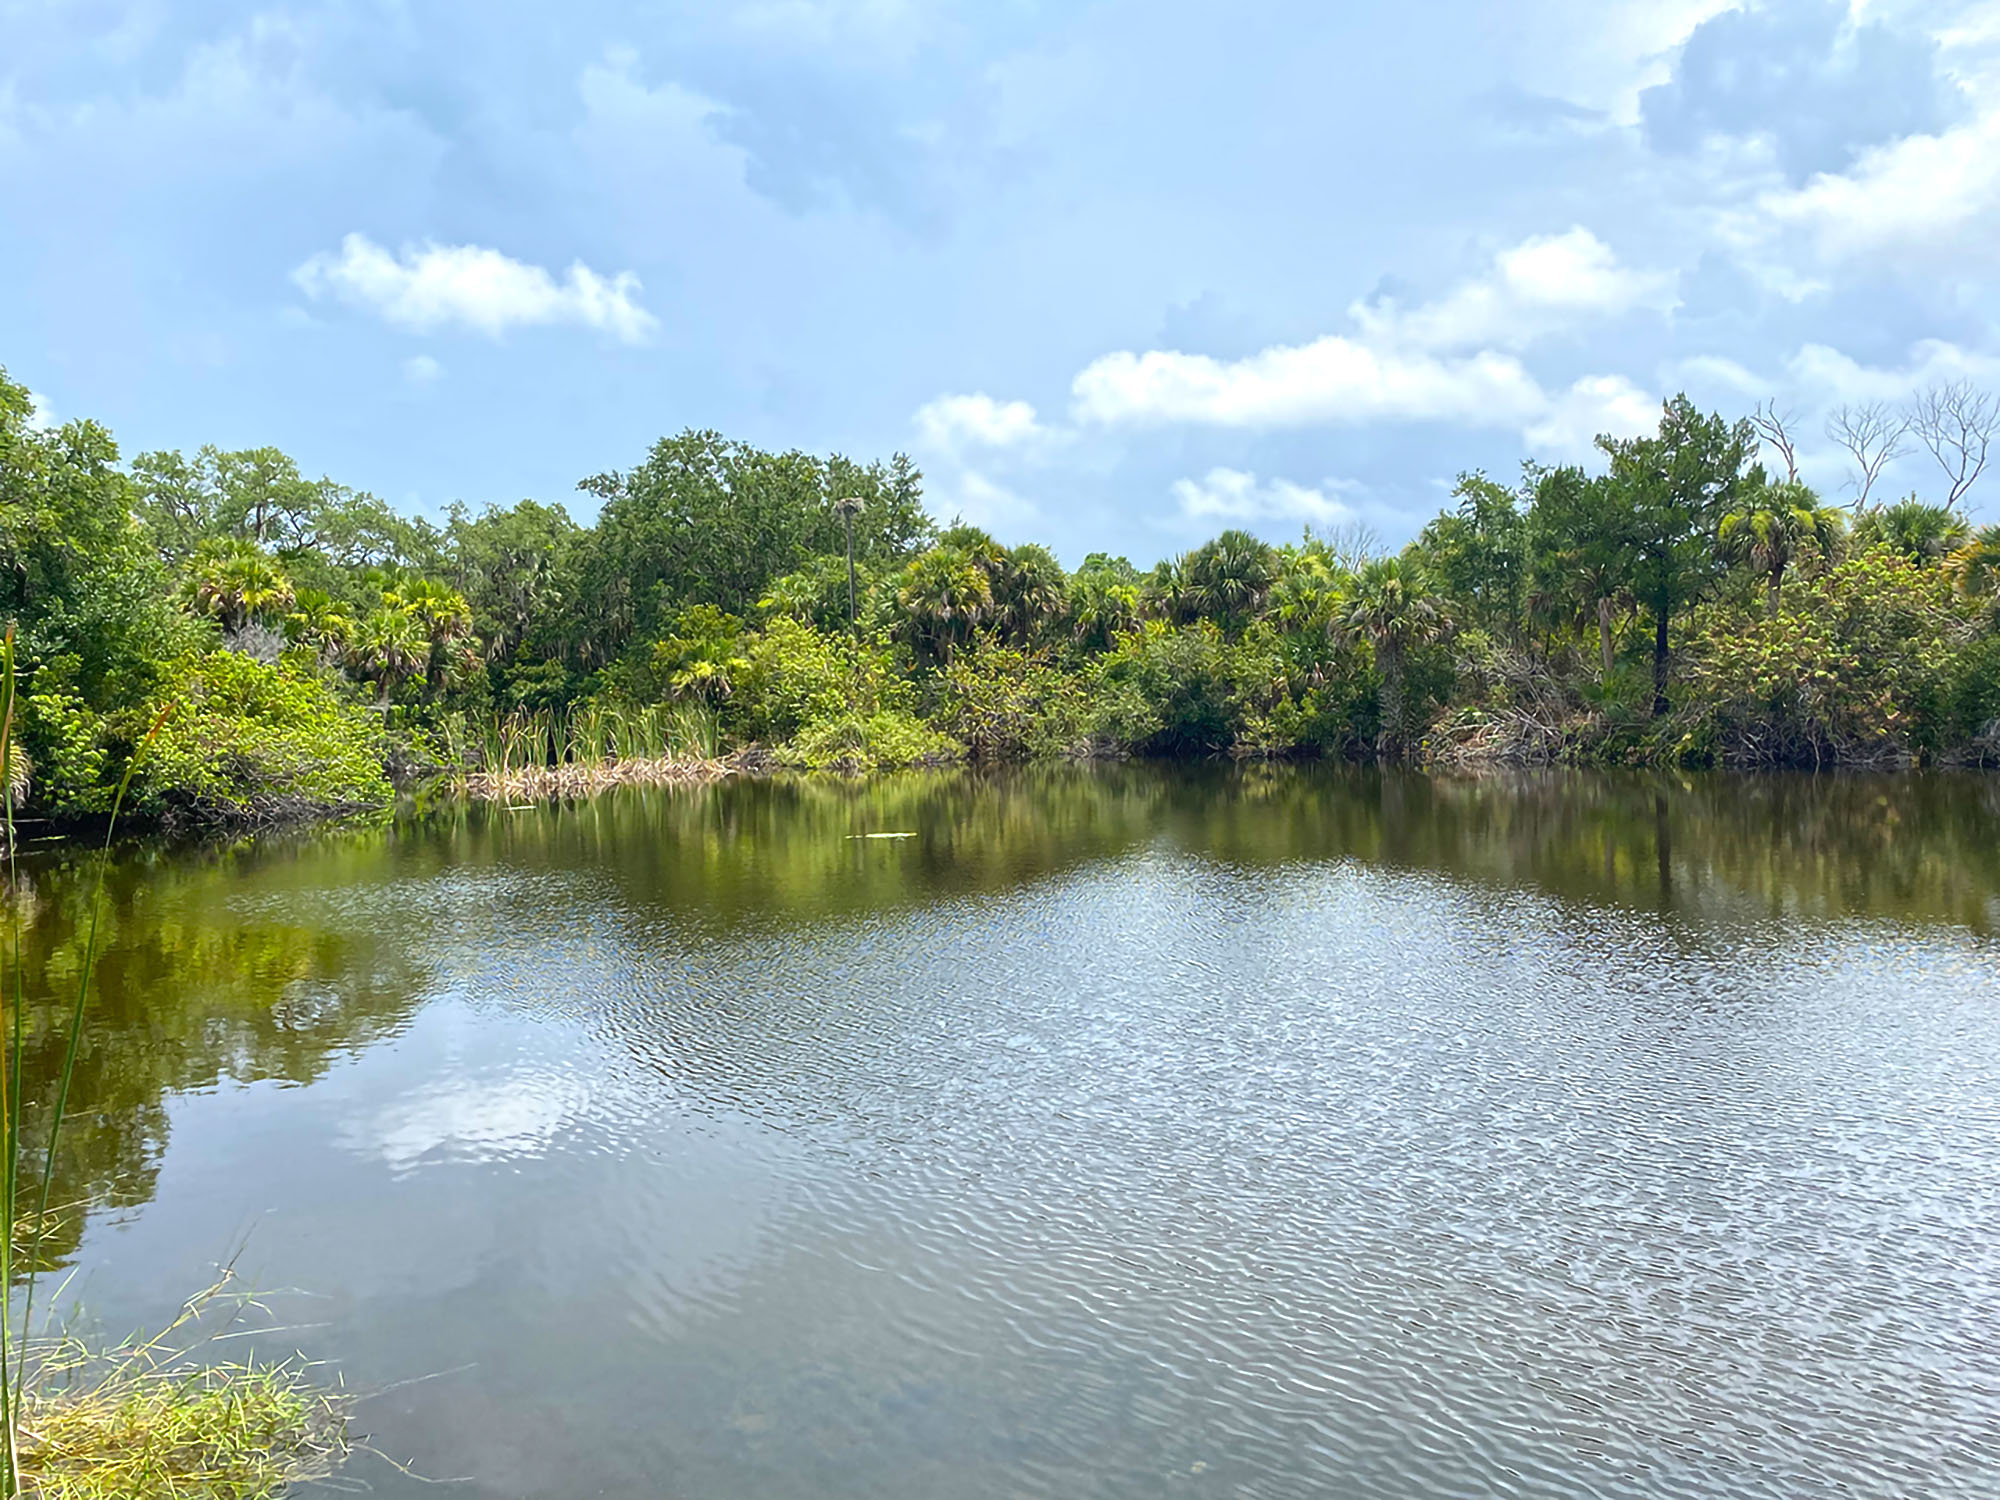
{"x":1111,"y":1133}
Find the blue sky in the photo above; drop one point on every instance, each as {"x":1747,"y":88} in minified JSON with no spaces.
{"x":1116,"y":274}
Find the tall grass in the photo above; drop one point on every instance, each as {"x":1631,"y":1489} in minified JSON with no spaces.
{"x":546,"y":753}
{"x":227,"y":1427}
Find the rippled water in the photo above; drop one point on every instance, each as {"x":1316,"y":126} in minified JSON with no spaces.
{"x":1124,"y":1133}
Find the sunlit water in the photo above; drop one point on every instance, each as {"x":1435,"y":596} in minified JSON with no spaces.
{"x":1128,"y":1133}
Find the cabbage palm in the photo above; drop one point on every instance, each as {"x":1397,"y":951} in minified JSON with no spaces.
{"x":1229,"y":579}
{"x":386,"y":647}
{"x":443,"y":618}
{"x":1922,"y":533}
{"x":1774,"y":528}
{"x":944,"y":594}
{"x":1030,"y":589}
{"x":1976,"y":565}
{"x":1390,"y":605}
{"x":318,"y":620}
{"x":235,"y":583}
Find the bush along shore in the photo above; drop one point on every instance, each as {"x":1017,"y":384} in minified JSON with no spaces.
{"x":1678,"y":602}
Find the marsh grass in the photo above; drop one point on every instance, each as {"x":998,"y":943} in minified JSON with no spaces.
{"x":162,"y":1417}
{"x":545,"y":755}
{"x":148,"y":1419}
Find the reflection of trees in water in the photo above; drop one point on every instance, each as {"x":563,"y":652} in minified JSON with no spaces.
{"x":273,"y":958}
{"x":1912,"y":847}
{"x":189,"y":989}
{"x":1904,"y":846}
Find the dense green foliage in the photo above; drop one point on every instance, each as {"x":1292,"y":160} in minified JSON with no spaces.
{"x":1679,"y":606}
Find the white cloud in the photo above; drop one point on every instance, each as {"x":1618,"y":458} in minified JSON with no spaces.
{"x":1831,"y":377}
{"x":956,"y":422}
{"x":1332,"y":379}
{"x":983,"y":502}
{"x":1538,"y":287}
{"x":421,"y":369}
{"x":1708,"y":370}
{"x":1922,"y":198}
{"x":435,"y":286}
{"x":1450,"y":360}
{"x":1233,"y":495}
{"x":41,"y":415}
{"x":1595,"y":404}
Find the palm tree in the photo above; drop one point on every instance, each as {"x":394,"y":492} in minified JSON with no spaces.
{"x":235,"y":583}
{"x":944,"y":595}
{"x":318,"y":620}
{"x":1976,"y":565}
{"x":441,"y":614}
{"x":1308,"y":582}
{"x":385,"y":648}
{"x":1776,"y":526}
{"x":1390,"y":605}
{"x":1230,"y":578}
{"x":1029,"y":591}
{"x":1922,"y":533}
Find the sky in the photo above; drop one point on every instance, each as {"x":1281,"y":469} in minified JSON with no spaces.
{"x":1116,"y":274}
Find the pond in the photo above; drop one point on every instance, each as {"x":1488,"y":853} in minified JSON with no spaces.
{"x":1295,"y":1131}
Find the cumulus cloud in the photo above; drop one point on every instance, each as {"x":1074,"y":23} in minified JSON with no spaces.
{"x":1541,"y":286}
{"x":983,"y":502}
{"x":1919,"y":198}
{"x":1802,"y":78}
{"x":422,"y":370}
{"x":1333,"y":379}
{"x":1829,"y":376}
{"x":41,"y":415}
{"x":436,"y":286}
{"x":1569,"y":426}
{"x":958,"y":422}
{"x":1233,"y":495}
{"x":1451,"y":360}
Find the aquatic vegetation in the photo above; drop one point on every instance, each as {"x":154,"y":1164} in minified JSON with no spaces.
{"x":153,"y":1418}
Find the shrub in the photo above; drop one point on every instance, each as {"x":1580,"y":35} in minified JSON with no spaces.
{"x":1851,"y":668}
{"x":794,"y":675}
{"x":249,"y":742}
{"x":1168,"y":690}
{"x":854,"y":742}
{"x":1007,"y":704}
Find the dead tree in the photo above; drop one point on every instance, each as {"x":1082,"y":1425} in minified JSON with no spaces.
{"x":1958,"y":422}
{"x":1775,"y":428}
{"x":1871,"y":434}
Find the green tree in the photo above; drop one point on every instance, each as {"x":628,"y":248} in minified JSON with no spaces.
{"x":386,"y":648}
{"x":1677,"y":485}
{"x":1390,"y":604}
{"x":706,"y":520}
{"x":1479,"y":556}
{"x":1776,"y":525}
{"x":1227,"y":580}
{"x":234,"y":583}
{"x":942,"y":596}
{"x":444,"y":621}
{"x":1580,"y":552}
{"x":1925,"y":534}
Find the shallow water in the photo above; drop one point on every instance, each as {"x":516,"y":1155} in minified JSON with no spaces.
{"x":1117,"y":1133}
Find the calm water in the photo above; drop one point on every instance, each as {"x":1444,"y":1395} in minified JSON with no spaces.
{"x":1274,"y":1133}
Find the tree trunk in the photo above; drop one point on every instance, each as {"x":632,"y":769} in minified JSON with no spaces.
{"x":1777,"y":578}
{"x":1659,"y":662}
{"x":1604,"y":642}
{"x":1389,"y":737}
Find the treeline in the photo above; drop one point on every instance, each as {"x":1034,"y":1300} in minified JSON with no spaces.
{"x":1684,"y":605}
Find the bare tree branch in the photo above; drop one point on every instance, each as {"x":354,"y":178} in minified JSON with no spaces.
{"x":1872,"y":435}
{"x":1774,"y":427}
{"x":1958,"y":422}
